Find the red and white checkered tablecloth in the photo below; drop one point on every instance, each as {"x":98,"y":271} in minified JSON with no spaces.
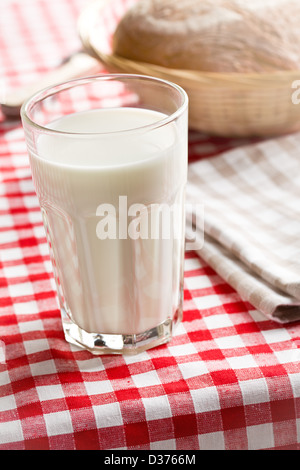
{"x":229,"y":379}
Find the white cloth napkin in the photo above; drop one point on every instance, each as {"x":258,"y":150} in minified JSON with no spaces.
{"x":251,"y":198}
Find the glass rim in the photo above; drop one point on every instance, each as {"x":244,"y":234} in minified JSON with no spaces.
{"x":65,"y":85}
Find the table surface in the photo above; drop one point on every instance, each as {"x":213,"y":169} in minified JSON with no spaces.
{"x":229,"y":379}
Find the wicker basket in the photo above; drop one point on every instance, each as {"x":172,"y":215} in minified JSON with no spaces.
{"x":231,"y":104}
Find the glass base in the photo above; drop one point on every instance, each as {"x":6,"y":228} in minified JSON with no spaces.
{"x":98,"y":343}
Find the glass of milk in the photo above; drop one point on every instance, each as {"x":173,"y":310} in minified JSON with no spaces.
{"x":108,"y":156}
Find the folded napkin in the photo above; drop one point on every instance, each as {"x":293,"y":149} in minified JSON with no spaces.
{"x":251,"y":198}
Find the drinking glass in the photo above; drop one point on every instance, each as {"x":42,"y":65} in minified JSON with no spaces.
{"x":108,"y":156}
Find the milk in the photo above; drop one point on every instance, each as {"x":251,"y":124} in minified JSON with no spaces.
{"x":121,"y":285}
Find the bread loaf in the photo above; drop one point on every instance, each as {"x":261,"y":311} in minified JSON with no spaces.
{"x":212,"y":35}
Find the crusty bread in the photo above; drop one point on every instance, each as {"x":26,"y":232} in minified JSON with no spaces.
{"x":212,"y":35}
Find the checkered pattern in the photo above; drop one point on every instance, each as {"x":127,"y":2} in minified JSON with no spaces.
{"x":252,"y":222}
{"x":230,"y":378}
